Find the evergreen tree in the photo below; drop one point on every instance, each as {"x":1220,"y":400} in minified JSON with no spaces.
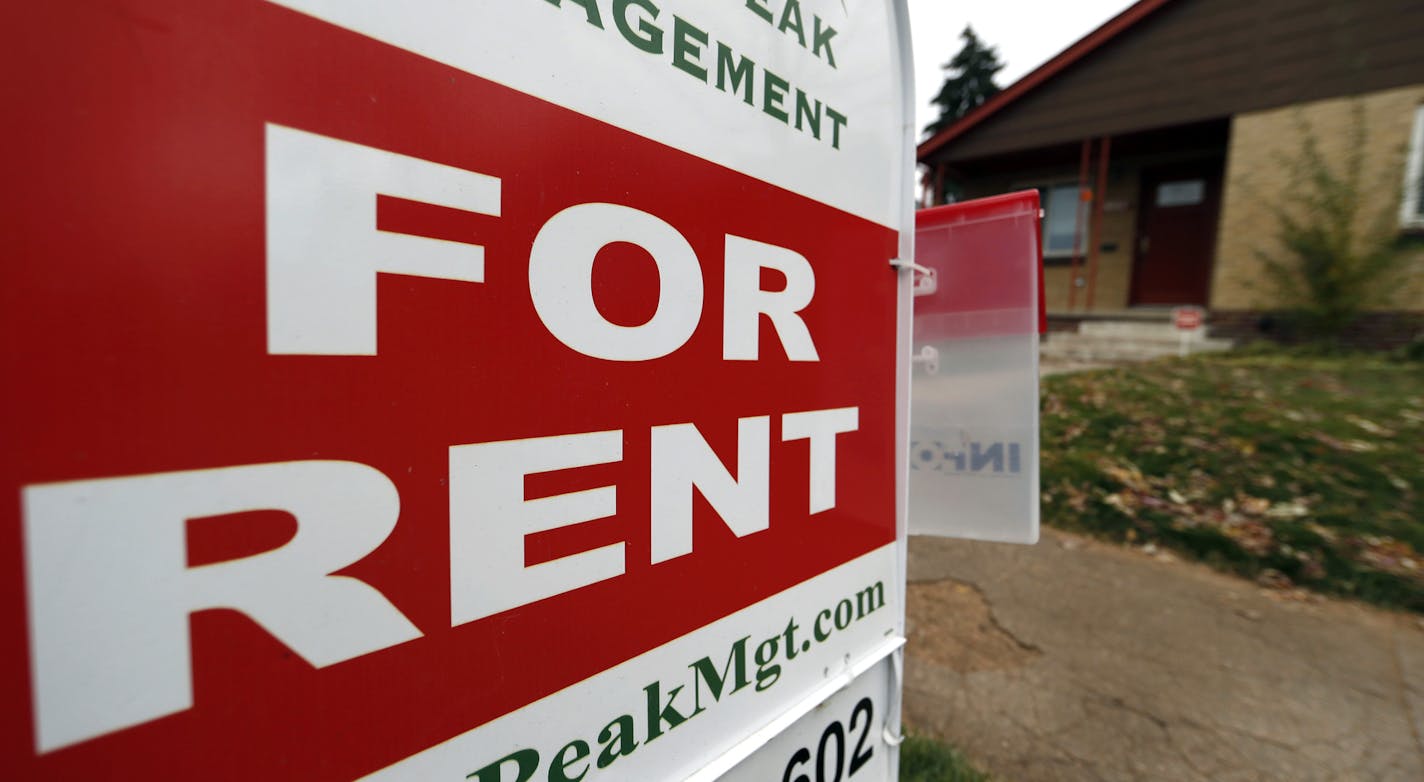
{"x":969,"y":80}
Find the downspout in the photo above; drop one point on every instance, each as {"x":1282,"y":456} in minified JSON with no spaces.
{"x":1104,"y":155}
{"x":1078,"y":219}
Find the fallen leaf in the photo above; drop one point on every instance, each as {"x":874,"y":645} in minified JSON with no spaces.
{"x":1288,"y":510}
{"x":1275,"y":579}
{"x":1370,"y":426}
{"x":1251,"y":536}
{"x":1254,"y":506}
{"x":1123,"y":502}
{"x":1128,"y":476}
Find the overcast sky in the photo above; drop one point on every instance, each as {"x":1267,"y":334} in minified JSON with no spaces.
{"x":1026,"y":32}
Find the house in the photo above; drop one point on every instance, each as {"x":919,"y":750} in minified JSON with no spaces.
{"x":1159,"y":141}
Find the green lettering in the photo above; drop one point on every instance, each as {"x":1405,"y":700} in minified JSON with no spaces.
{"x":759,"y":8}
{"x":651,"y":38}
{"x":767,"y":673}
{"x":658,"y":713}
{"x":616,"y":745}
{"x":870,"y":598}
{"x":773,"y":92}
{"x":559,"y":769}
{"x":590,"y":10}
{"x":682,"y":31}
{"x":703,"y":670}
{"x":526,"y":761}
{"x":822,"y":38}
{"x":803,"y":110}
{"x":791,"y":627}
{"x":740,"y":75}
{"x":791,"y":20}
{"x":838,"y":119}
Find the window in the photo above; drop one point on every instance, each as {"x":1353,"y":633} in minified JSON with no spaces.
{"x":1411,"y":213}
{"x":1186,"y":192}
{"x":1060,"y":221}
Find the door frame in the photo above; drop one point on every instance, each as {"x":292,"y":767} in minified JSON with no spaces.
{"x":1213,"y":170}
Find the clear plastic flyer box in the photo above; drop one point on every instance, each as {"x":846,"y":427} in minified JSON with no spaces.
{"x":974,"y":396}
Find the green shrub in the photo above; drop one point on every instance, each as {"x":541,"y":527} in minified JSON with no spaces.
{"x":1335,"y":260}
{"x":1414,"y":351}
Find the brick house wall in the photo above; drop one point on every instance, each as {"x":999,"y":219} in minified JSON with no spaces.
{"x":1256,"y":179}
{"x":1226,"y":84}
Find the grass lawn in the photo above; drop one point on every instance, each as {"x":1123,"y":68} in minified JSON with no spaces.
{"x":926,"y":760}
{"x":1283,"y":468}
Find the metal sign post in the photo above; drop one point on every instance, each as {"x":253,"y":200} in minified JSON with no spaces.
{"x":1188,"y":321}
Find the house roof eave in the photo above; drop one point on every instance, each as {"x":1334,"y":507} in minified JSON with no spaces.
{"x":1080,"y":49}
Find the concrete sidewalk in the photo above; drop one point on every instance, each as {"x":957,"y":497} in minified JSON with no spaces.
{"x":1079,"y":660}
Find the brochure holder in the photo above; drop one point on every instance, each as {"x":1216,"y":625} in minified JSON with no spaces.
{"x":974,"y":393}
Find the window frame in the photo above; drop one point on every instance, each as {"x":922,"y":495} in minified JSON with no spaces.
{"x":1084,"y":240}
{"x":1411,"y":208}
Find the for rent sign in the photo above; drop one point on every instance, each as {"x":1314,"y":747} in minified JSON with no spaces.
{"x":497,"y":391}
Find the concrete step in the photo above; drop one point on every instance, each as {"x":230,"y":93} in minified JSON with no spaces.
{"x":1119,"y":328}
{"x":1145,"y":341}
{"x":1100,"y":355}
{"x":1123,"y":341}
{"x":1098,"y":348}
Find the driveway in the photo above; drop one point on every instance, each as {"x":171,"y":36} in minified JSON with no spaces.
{"x":1080,"y":660}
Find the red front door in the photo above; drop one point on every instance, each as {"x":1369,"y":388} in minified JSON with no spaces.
{"x":1176,"y":233}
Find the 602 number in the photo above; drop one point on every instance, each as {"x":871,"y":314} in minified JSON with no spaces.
{"x":835,"y":735}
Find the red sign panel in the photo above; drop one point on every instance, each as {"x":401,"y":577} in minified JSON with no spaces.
{"x":988,"y":268}
{"x":153,"y":336}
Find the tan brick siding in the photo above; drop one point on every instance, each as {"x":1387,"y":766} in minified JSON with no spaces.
{"x":1256,"y":179}
{"x":1119,"y":231}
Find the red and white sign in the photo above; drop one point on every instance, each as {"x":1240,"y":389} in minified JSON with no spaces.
{"x":974,"y":436}
{"x":1187,"y":318}
{"x":380,"y":404}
